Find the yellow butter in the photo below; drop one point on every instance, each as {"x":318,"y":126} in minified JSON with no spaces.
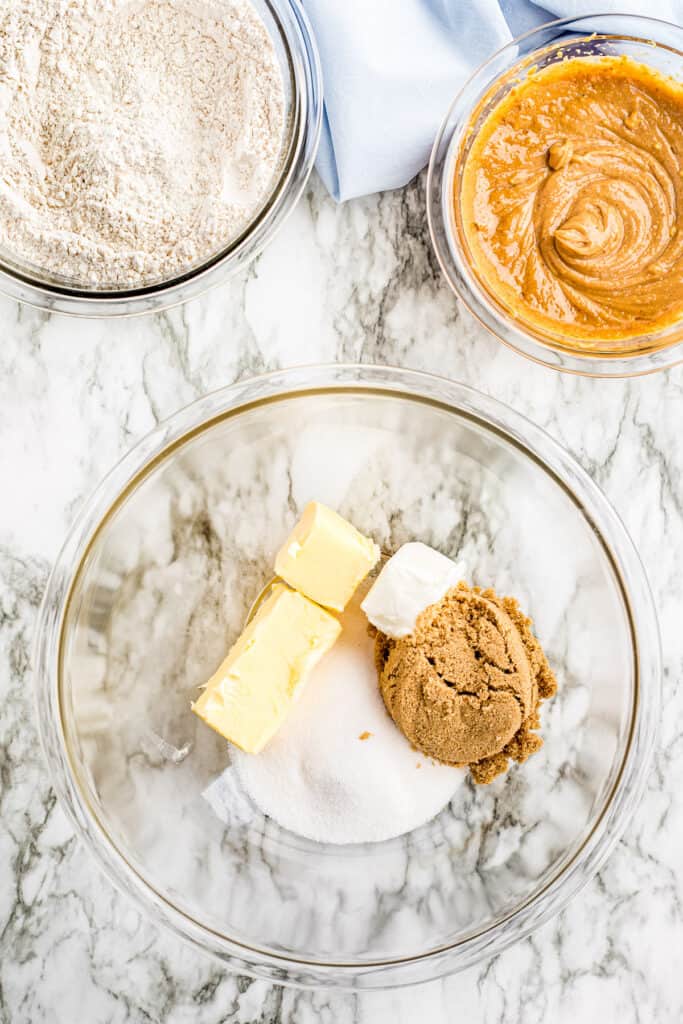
{"x":325,"y":557}
{"x":249,"y":696}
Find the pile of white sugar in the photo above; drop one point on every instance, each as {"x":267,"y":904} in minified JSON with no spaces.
{"x":338,"y":770}
{"x":137,"y":137}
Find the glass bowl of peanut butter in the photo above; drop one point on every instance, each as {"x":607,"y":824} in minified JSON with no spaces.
{"x":555,"y":195}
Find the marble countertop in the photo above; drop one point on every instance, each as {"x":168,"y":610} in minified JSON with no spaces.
{"x":356,"y":282}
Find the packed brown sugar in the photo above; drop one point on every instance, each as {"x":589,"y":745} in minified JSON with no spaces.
{"x":572,"y":200}
{"x":465,"y":688}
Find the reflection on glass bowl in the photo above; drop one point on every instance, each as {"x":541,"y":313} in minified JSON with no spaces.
{"x":155,"y":580}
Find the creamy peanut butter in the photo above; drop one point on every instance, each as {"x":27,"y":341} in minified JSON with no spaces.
{"x":571,"y":200}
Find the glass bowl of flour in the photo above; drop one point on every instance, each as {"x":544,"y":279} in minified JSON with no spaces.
{"x":148,"y":148}
{"x":155,"y":581}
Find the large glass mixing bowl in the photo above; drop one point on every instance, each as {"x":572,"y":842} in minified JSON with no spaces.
{"x":155,"y":580}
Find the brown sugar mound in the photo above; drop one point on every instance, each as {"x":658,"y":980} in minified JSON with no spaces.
{"x":465,"y":687}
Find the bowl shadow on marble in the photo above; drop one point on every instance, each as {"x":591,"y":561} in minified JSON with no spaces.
{"x":162,"y":588}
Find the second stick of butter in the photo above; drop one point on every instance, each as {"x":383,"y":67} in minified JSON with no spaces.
{"x":325,"y":557}
{"x":249,"y":696}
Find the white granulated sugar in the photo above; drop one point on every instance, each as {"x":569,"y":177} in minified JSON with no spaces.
{"x":318,"y":778}
{"x":137,"y":137}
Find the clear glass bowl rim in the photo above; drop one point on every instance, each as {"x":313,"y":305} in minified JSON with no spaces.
{"x":461,"y":278}
{"x":553,"y":459}
{"x":307,"y":111}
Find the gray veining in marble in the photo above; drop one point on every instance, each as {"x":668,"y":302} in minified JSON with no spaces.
{"x":340,"y":283}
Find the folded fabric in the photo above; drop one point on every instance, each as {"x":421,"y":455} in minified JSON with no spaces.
{"x":665,"y":10}
{"x":391,"y":68}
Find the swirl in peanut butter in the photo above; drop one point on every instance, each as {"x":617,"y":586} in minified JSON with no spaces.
{"x":572,"y":200}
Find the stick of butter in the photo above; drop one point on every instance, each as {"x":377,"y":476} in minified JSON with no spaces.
{"x":325,"y":557}
{"x":248,"y":697}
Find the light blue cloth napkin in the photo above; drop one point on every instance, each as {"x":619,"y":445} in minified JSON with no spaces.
{"x":392,"y":67}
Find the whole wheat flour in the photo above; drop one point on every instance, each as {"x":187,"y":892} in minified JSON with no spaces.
{"x":136,"y":138}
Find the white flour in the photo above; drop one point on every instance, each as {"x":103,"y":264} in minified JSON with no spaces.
{"x":136,"y":138}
